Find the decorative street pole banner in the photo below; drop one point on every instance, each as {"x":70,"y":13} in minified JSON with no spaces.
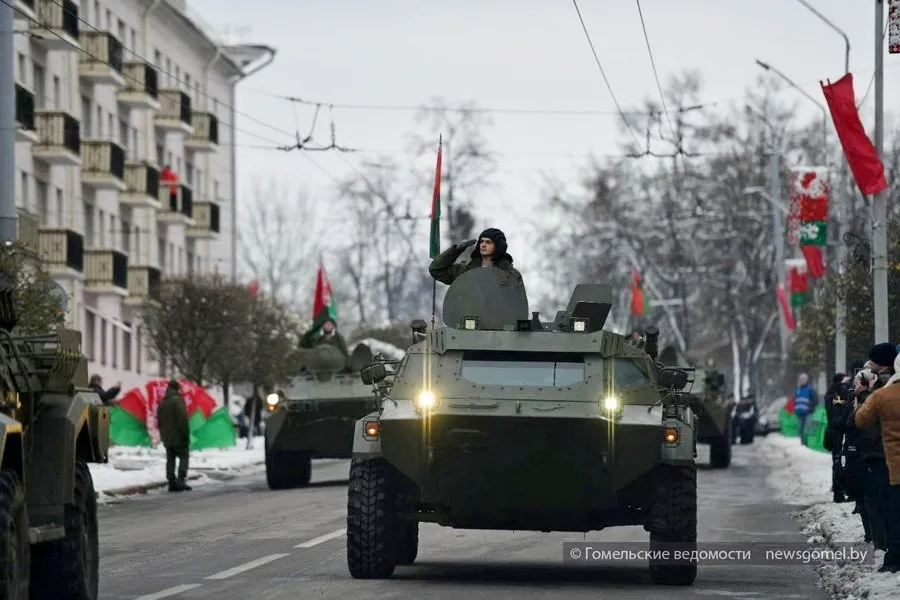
{"x":894,"y":26}
{"x":809,"y":198}
{"x":797,"y":281}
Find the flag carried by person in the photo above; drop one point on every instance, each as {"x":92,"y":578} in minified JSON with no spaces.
{"x":324,"y":304}
{"x":435,"y":239}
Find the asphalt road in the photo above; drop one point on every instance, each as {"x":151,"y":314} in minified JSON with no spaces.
{"x":239,"y":540}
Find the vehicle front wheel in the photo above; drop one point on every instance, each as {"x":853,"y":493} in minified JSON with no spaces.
{"x":372,"y":544}
{"x":673,"y":524}
{"x":407,"y":542}
{"x":70,"y":567}
{"x":15,"y":561}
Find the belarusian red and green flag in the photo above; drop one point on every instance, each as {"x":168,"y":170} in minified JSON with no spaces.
{"x":639,"y":303}
{"x":324,"y":304}
{"x":133,"y":417}
{"x":435,"y":239}
{"x":797,"y":281}
{"x":809,"y":192}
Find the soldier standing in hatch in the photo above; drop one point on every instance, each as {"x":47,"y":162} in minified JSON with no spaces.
{"x":329,"y":335}
{"x":490,"y":252}
{"x":175,"y":434}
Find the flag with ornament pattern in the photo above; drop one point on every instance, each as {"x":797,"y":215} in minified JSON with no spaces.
{"x":435,"y":238}
{"x":810,"y":186}
{"x":797,"y":281}
{"x":324,"y":303}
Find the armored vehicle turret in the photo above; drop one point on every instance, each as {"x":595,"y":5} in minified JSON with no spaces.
{"x":500,"y":420}
{"x":315,"y":414}
{"x":712,"y":408}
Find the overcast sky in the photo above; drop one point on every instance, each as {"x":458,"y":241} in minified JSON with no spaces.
{"x":516,"y":54}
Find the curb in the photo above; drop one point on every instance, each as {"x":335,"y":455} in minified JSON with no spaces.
{"x":142,"y":488}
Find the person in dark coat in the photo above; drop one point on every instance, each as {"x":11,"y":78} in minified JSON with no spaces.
{"x":490,"y":251}
{"x":834,"y":440}
{"x":106,"y":396}
{"x":175,"y":434}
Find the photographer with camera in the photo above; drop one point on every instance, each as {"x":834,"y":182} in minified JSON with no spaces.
{"x":862,"y":442}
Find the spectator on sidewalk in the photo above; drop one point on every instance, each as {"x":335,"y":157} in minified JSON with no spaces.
{"x":834,"y":439}
{"x":106,"y":396}
{"x":881,"y":411}
{"x":805,"y":402}
{"x":175,"y":434}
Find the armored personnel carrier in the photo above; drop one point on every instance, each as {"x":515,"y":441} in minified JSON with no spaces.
{"x":51,"y":427}
{"x":315,"y":415}
{"x":498,"y":420}
{"x":711,"y":407}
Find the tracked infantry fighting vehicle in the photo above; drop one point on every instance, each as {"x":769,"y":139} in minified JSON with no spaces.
{"x":501,"y":421}
{"x":711,"y":407}
{"x":51,"y":427}
{"x":315,"y":415}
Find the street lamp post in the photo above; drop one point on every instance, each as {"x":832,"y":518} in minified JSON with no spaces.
{"x":843,"y":208}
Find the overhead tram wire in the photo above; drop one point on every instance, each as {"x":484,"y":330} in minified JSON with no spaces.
{"x":662,"y":96}
{"x":605,"y":79}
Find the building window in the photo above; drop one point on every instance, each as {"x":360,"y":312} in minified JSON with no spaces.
{"x":102,"y":341}
{"x":133,"y":40}
{"x":126,"y":350}
{"x":57,"y":92}
{"x":115,"y":346}
{"x":139,"y":350}
{"x":40,"y":86}
{"x":90,"y":335}
{"x":60,"y":205}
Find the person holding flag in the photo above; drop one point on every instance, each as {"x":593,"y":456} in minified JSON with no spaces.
{"x":324,"y":327}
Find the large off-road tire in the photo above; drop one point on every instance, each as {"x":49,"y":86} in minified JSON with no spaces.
{"x":15,"y":560}
{"x":371,"y":519}
{"x":407,"y":542}
{"x":287,"y":470}
{"x":720,"y":448}
{"x":70,"y":567}
{"x":673,"y":520}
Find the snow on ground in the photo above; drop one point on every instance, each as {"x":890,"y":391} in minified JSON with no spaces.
{"x":802,"y":477}
{"x":133,"y":467}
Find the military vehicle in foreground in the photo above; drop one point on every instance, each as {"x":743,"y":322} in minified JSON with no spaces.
{"x":315,"y":415}
{"x":712,"y":408}
{"x":51,"y":426}
{"x":500,"y":421}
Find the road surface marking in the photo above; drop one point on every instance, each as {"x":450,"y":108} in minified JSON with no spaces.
{"x":322,"y":539}
{"x":169,"y":592}
{"x":246,"y":566}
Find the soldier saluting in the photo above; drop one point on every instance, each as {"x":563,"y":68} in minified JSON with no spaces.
{"x":490,"y":252}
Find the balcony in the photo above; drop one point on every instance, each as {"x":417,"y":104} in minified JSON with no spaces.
{"x":56,"y":25}
{"x":62,"y":252}
{"x":103,"y":165}
{"x":206,"y":221}
{"x":206,"y":133}
{"x":143,"y":285}
{"x":174,"y":112}
{"x":59,"y":138}
{"x":102,"y":59}
{"x":141,"y":186}
{"x":25,"y":10}
{"x":177,"y":207}
{"x":105,"y":272}
{"x":25,"y":128}
{"x":141,"y":89}
{"x":28,"y":230}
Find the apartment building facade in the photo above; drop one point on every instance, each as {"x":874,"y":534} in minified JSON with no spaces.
{"x":125,"y":161}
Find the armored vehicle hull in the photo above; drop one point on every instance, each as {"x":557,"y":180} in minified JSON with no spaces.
{"x":523,"y":427}
{"x":314,"y":418}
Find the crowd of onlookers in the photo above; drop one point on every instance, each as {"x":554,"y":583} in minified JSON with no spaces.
{"x":863,"y":436}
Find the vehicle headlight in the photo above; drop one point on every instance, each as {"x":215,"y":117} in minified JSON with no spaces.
{"x":425,"y":400}
{"x":611,"y":403}
{"x":272,"y":400}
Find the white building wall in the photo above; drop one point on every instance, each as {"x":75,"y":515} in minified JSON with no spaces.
{"x":111,"y":332}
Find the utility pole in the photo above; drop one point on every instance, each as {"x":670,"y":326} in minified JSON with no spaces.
{"x":8,"y":216}
{"x":778,"y":225}
{"x":879,"y":227}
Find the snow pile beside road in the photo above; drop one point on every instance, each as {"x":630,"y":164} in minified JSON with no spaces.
{"x":802,"y":477}
{"x":133,"y":470}
{"x":377,"y":346}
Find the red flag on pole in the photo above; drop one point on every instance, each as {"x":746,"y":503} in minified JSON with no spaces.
{"x":786,"y":309}
{"x":865,"y":164}
{"x":435,"y":239}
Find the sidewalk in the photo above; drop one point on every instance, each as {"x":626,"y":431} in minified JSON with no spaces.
{"x":137,"y":470}
{"x":802,"y":477}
